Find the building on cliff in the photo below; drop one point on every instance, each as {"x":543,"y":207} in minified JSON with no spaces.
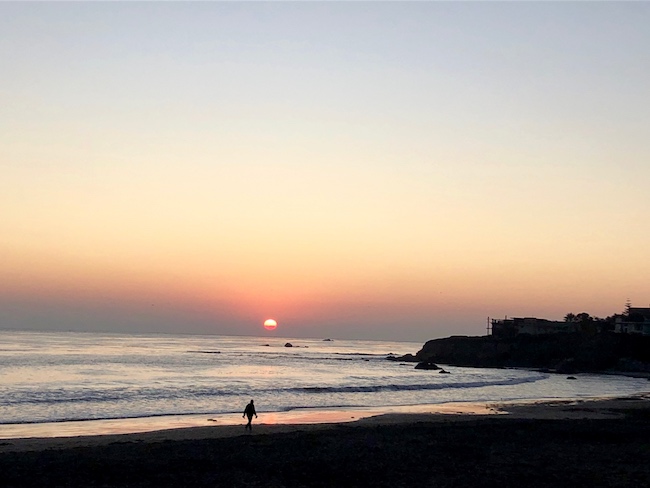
{"x":511,"y":327}
{"x":635,"y":321}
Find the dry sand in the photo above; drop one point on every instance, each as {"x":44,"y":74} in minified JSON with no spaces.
{"x":602,"y":442}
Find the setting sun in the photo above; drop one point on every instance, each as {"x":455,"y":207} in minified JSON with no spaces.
{"x":270,"y":324}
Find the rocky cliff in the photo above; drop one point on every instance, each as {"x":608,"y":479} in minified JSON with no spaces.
{"x":564,"y":353}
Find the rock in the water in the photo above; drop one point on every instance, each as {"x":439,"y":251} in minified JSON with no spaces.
{"x":409,"y":358}
{"x":442,"y":371}
{"x":426,"y":365}
{"x":571,"y":378}
{"x":288,"y":344}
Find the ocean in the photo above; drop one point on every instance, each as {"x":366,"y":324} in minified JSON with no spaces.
{"x":84,"y":383}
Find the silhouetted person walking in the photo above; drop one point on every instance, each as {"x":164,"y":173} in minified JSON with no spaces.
{"x":249,"y":411}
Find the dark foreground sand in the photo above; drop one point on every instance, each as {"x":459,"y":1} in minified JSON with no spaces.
{"x":594,"y":444}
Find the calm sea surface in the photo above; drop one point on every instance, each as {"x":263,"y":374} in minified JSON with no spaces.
{"x":63,"y":377}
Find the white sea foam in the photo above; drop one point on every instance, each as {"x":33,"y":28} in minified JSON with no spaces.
{"x":58,"y":377}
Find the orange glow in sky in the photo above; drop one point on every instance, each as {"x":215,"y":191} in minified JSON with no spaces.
{"x":401,"y":175}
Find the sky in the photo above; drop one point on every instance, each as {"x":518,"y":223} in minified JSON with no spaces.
{"x":387,"y":170}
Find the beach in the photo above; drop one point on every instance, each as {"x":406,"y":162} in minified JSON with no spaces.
{"x":595,"y":442}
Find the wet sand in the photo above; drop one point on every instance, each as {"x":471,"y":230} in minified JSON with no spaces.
{"x":596,"y":443}
{"x":163,"y":423}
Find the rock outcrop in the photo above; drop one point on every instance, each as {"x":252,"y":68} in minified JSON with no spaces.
{"x":567,"y":353}
{"x":406,"y":358}
{"x":427,"y":365}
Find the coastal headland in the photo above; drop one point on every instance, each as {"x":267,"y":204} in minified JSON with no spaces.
{"x":561,"y":352}
{"x":596,"y":443}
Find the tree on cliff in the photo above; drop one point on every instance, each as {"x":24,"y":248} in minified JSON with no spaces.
{"x":628,"y":306}
{"x":582,"y":318}
{"x":586,"y":323}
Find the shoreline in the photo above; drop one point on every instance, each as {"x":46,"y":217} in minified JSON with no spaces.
{"x":544,"y":444}
{"x":310,"y":420}
{"x":158,"y":426}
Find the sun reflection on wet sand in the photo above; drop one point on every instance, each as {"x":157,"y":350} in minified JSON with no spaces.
{"x":297,"y":416}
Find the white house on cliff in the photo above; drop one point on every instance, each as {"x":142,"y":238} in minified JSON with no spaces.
{"x":635,"y":321}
